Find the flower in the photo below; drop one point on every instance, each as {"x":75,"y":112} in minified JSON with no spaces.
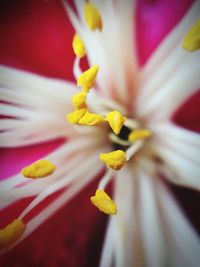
{"x":142,"y":199}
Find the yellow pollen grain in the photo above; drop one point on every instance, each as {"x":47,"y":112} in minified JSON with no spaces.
{"x":116,"y":121}
{"x":91,"y":119}
{"x":78,"y":46}
{"x":79,"y":100}
{"x":92,"y":17}
{"x":191,"y":41}
{"x":103,"y":202}
{"x":139,"y":134}
{"x":11,"y":233}
{"x":115,"y":160}
{"x":38,"y":169}
{"x":76,"y":115}
{"x":87,"y":78}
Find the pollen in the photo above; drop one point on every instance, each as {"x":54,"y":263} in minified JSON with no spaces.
{"x":79,"y":100}
{"x":39,"y":169}
{"x":139,"y":134}
{"x":76,"y":115}
{"x":11,"y":233}
{"x":91,"y":119}
{"x":191,"y":41}
{"x":115,"y":160}
{"x":78,"y":46}
{"x":92,"y":17}
{"x":116,"y":121}
{"x":87,"y":78}
{"x":103,"y":202}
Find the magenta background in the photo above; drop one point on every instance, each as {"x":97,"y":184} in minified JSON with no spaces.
{"x":36,"y":36}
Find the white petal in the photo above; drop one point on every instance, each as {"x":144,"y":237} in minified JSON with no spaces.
{"x":182,"y":241}
{"x":152,"y":232}
{"x":73,"y":153}
{"x":171,"y":42}
{"x":56,"y":204}
{"x":37,"y":106}
{"x":180,"y":150}
{"x":117,"y":73}
{"x":171,"y":75}
{"x":173,"y":91}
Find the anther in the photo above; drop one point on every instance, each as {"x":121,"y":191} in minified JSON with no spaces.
{"x":91,"y":119}
{"x":139,"y":134}
{"x":11,"y":233}
{"x":76,"y":115}
{"x":103,"y":202}
{"x":78,"y":46}
{"x":79,"y":100}
{"x":116,"y":121}
{"x":87,"y":78}
{"x":191,"y":41}
{"x":115,"y":159}
{"x":92,"y":17}
{"x":38,"y":169}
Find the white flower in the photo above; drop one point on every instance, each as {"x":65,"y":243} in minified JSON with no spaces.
{"x":149,"y":228}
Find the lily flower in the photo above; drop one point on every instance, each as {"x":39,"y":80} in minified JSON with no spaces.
{"x":119,"y":119}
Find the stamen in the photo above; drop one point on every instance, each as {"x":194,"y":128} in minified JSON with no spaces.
{"x":116,"y":121}
{"x":115,"y":160}
{"x":133,"y":149}
{"x":78,"y":46}
{"x":131,"y":124}
{"x":105,"y":179}
{"x":87,"y":78}
{"x":103,"y":202}
{"x":76,"y":68}
{"x":91,"y":119}
{"x":38,"y":169}
{"x":11,"y":233}
{"x":92,"y":17}
{"x":79,"y":100}
{"x":115,"y":139}
{"x":76,"y":115}
{"x":139,"y":134}
{"x":191,"y":41}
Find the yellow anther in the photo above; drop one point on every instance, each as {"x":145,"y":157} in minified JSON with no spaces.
{"x":92,"y":17}
{"x":191,"y":41}
{"x":11,"y":233}
{"x":103,"y":202}
{"x":39,"y":169}
{"x":79,"y":100}
{"x":76,"y":115}
{"x":78,"y":46}
{"x":139,"y":134}
{"x":116,"y":121}
{"x":115,"y":160}
{"x":87,"y":78}
{"x":91,"y":119}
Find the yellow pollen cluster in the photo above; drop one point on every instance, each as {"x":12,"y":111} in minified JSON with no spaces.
{"x":39,"y":169}
{"x":76,"y":115}
{"x":91,"y":119}
{"x":139,"y":134}
{"x":191,"y":41}
{"x":87,"y":78}
{"x":11,"y":233}
{"x":78,"y":46}
{"x":103,"y":202}
{"x":116,"y":121}
{"x":115,"y":159}
{"x":92,"y":17}
{"x":79,"y":100}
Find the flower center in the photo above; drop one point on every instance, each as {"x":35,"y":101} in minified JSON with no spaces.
{"x":125,"y":134}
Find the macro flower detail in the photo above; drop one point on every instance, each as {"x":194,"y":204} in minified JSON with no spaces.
{"x":191,"y":41}
{"x":116,"y":117}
